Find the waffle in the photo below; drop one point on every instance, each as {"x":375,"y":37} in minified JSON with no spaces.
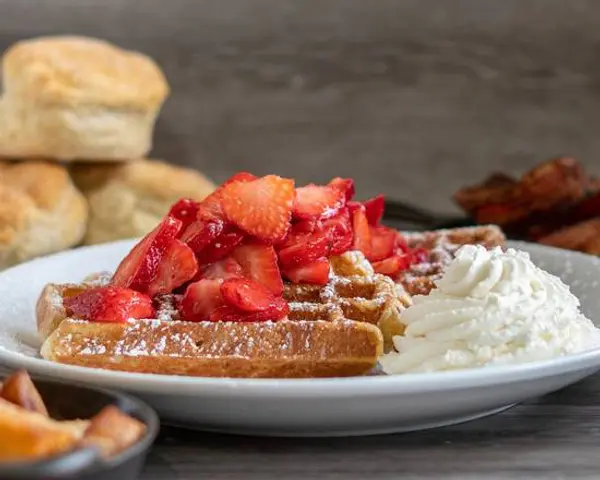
{"x":283,"y":349}
{"x":354,"y":292}
{"x":309,"y":347}
{"x":441,"y":246}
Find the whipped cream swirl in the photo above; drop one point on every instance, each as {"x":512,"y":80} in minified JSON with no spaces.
{"x":490,"y":307}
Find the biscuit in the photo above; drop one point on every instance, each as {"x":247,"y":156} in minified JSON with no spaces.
{"x":41,"y":211}
{"x":128,"y":200}
{"x":80,"y":98}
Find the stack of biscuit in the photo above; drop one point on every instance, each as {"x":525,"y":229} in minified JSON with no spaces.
{"x":77,"y":118}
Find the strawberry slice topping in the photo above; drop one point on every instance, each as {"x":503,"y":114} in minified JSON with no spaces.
{"x":210,"y":208}
{"x":185,"y":210}
{"x":222,"y":246}
{"x":247,"y":295}
{"x":140,"y":267}
{"x":374,"y":209}
{"x":261,"y":207}
{"x":202,"y":233}
{"x":344,"y":185}
{"x":227,"y":313}
{"x":307,"y":249}
{"x":109,"y":304}
{"x":383,"y":242}
{"x":200,"y":300}
{"x":177,"y":267}
{"x":340,"y":227}
{"x":223,"y":269}
{"x":362,"y":231}
{"x":315,"y":201}
{"x":258,"y":261}
{"x":393,"y":265}
{"x":316,"y":273}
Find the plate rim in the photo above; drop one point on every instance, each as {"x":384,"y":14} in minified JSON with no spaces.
{"x":358,"y":386}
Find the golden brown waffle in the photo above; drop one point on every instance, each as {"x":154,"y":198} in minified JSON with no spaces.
{"x":441,"y":246}
{"x":283,"y":349}
{"x":354,"y":292}
{"x":309,"y":347}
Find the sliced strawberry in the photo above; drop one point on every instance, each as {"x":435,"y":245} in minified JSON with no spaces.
{"x":222,"y":246}
{"x":308,"y":249}
{"x":393,"y":265}
{"x":374,"y":209}
{"x":200,"y":300}
{"x":401,"y":247}
{"x":362,"y":231}
{"x":240,"y":177}
{"x":419,"y":255}
{"x":344,"y":185}
{"x":226,"y":313}
{"x":210,"y":208}
{"x":315,"y":273}
{"x":185,"y":210}
{"x":177,"y":267}
{"x":353,"y":206}
{"x":223,"y":269}
{"x":201,"y":233}
{"x":262,"y":207}
{"x":315,"y":201}
{"x":383,"y":242}
{"x":246,"y":295}
{"x":140,"y":266}
{"x":259,"y":263}
{"x":341,"y":232}
{"x":109,"y":304}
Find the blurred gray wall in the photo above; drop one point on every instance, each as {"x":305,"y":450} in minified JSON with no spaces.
{"x":412,"y":98}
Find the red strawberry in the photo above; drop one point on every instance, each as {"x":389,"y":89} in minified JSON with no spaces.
{"x":342,"y":235}
{"x":246,"y":295}
{"x":240,"y":177}
{"x":210,"y":208}
{"x":185,"y":210}
{"x":201,"y":233}
{"x":307,"y":249}
{"x":222,"y":246}
{"x":259,"y":263}
{"x":383,"y":242}
{"x":226,"y":313}
{"x":109,"y":304}
{"x":223,"y":269}
{"x":200,"y":300}
{"x":177,"y":267}
{"x":140,"y":266}
{"x":392,"y":266}
{"x":374,"y":208}
{"x":315,"y":201}
{"x":362,"y":231}
{"x":419,"y":255}
{"x":401,"y":247}
{"x":315,"y":273}
{"x":262,"y":207}
{"x":344,"y":185}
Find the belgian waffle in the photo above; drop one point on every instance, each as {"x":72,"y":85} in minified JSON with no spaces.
{"x":354,"y":292}
{"x":440,"y":247}
{"x":293,"y":348}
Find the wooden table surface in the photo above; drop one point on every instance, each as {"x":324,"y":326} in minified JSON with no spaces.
{"x":413,"y":98}
{"x":553,"y":437}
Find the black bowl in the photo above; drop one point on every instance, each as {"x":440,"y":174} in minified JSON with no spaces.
{"x":71,"y":402}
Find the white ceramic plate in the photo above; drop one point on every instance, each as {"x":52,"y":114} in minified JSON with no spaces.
{"x":343,"y":406}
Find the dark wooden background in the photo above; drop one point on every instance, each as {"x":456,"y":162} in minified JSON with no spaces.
{"x":412,"y":98}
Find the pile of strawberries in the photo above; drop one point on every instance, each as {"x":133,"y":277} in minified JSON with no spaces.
{"x":225,"y":258}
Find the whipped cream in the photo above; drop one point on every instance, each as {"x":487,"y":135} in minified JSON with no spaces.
{"x":490,"y":307}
